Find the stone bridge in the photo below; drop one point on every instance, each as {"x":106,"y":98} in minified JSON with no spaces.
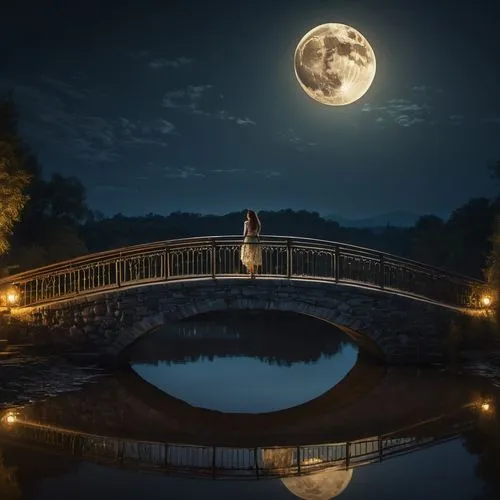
{"x":398,"y":310}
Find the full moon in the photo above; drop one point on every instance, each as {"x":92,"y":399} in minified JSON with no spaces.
{"x":334,"y":64}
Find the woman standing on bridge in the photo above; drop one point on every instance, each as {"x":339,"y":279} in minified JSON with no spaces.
{"x":251,"y":251}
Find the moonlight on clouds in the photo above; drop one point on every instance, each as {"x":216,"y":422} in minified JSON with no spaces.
{"x":334,"y":64}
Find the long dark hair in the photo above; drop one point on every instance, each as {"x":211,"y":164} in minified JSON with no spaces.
{"x":253,"y":221}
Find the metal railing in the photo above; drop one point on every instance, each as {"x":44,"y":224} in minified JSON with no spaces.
{"x":222,"y":462}
{"x":219,"y":257}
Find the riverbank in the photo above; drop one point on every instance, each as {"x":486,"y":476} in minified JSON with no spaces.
{"x":29,"y":374}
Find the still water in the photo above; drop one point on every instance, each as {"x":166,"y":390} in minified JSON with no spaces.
{"x":240,"y":363}
{"x":255,"y":406}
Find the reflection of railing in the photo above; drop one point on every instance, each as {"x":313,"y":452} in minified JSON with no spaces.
{"x":283,"y":257}
{"x":221,"y":462}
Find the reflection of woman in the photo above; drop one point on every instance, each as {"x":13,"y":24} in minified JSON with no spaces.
{"x":251,"y":251}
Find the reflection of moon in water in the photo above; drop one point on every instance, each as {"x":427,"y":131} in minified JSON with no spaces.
{"x":320,"y":485}
{"x":278,"y":458}
{"x":334,"y":64}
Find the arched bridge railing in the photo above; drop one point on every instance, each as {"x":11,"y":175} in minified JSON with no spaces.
{"x":219,"y":256}
{"x":220,"y":462}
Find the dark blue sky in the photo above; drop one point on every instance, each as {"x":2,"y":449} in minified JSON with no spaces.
{"x":194,"y":106}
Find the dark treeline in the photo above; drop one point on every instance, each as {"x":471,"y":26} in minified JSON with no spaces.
{"x":274,"y":337}
{"x":460,"y":244}
{"x":56,"y":224}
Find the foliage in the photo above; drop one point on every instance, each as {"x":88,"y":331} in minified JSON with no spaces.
{"x":428,"y":244}
{"x":49,"y":229}
{"x":13,"y":179}
{"x":492,"y":268}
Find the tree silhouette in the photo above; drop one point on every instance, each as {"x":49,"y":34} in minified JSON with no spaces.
{"x":13,"y":178}
{"x":492,"y":268}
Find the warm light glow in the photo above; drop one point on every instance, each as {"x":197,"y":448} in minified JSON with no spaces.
{"x":486,"y":300}
{"x":12,"y":298}
{"x":10,"y":418}
{"x":485,"y":406}
{"x":312,"y":461}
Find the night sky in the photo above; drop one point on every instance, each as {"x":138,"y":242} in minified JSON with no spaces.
{"x":194,"y":106}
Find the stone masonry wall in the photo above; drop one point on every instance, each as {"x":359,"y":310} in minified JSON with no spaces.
{"x":396,"y":328}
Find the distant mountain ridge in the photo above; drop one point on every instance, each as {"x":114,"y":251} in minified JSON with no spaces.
{"x":399,"y":218}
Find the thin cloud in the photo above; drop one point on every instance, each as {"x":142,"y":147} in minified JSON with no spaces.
{"x":161,"y":63}
{"x":139,"y":133}
{"x":297,"y":142}
{"x":426,"y":88}
{"x":165,"y":126}
{"x":227,"y":170}
{"x":51,"y":120}
{"x":111,"y":188}
{"x":456,"y":120}
{"x":188,"y":172}
{"x":181,"y":172}
{"x":492,"y":119}
{"x":268,"y":174}
{"x":402,"y":112}
{"x":66,"y":88}
{"x":225,"y":115}
{"x":157,"y":63}
{"x":48,"y":122}
{"x":190,"y":100}
{"x":139,"y":53}
{"x":247,"y":172}
{"x":187,"y":99}
{"x":407,"y":121}
{"x":245,"y":121}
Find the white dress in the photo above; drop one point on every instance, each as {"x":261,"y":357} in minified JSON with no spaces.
{"x":251,"y":250}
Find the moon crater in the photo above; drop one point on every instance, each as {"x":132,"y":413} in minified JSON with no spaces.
{"x":334,"y":64}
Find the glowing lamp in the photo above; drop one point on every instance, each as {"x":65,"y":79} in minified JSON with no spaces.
{"x":10,"y":418}
{"x":486,"y":300}
{"x":11,"y":297}
{"x":485,"y":406}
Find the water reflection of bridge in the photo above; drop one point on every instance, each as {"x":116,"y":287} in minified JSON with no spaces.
{"x":369,"y":401}
{"x":227,"y":462}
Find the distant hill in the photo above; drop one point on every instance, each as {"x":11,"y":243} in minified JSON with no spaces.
{"x":397,"y":219}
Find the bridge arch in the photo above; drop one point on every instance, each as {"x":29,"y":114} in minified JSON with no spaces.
{"x":235,"y":301}
{"x":393,"y":329}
